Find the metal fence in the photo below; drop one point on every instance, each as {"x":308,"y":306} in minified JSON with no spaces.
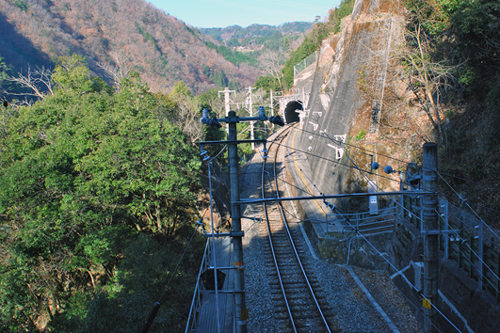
{"x":366,"y":223}
{"x":196,"y":301}
{"x":303,"y":64}
{"x":475,"y":247}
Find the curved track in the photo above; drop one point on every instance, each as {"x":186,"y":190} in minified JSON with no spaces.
{"x":299,"y":307}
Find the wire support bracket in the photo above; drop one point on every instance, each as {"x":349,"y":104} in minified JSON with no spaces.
{"x":332,"y":196}
{"x":226,"y":267}
{"x":228,"y":142}
{"x":439,"y":232}
{"x":223,"y":291}
{"x":225,"y":234}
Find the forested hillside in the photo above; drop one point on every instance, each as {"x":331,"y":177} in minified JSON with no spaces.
{"x":258,"y":34}
{"x":115,"y":37}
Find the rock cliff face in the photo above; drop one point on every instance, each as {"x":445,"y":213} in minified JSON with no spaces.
{"x":346,"y":99}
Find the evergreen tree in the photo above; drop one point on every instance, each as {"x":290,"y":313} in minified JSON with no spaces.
{"x":88,"y":177}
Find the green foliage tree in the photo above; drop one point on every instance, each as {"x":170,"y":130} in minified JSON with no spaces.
{"x":147,"y":36}
{"x":3,"y":74}
{"x":219,"y":78}
{"x":476,"y":25}
{"x":234,"y":57}
{"x":267,"y":83}
{"x":308,"y":47}
{"x":336,"y":16}
{"x":85,"y":173}
{"x":180,"y":91}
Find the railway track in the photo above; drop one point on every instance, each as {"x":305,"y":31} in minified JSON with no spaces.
{"x":299,"y":305}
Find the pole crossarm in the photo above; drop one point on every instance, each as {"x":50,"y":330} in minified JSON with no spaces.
{"x":332,"y":196}
{"x":232,"y":118}
{"x":228,"y":142}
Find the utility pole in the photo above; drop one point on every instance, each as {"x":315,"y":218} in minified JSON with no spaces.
{"x":241,"y":312}
{"x":278,"y":94}
{"x":250,"y":102}
{"x":227,"y":101}
{"x":431,"y":237}
{"x":272,"y":109}
{"x":240,"y":307}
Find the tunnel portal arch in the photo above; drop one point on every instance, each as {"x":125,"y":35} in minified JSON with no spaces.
{"x":290,"y":115}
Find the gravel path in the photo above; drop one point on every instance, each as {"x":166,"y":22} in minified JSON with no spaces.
{"x":355,"y":313}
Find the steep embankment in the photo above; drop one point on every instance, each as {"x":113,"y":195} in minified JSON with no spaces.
{"x":115,"y":37}
{"x":352,"y":74}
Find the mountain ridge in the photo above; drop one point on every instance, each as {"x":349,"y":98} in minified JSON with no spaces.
{"x":116,"y":36}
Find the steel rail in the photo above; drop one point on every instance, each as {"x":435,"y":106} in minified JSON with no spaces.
{"x":269,"y":233}
{"x":292,"y":244}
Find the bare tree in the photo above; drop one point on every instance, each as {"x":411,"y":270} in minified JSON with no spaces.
{"x":39,"y":82}
{"x":118,"y":70}
{"x":273,"y":62}
{"x":428,"y":80}
{"x":188,"y":119}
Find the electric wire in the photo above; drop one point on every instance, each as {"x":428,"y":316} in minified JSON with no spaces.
{"x":469,"y":181}
{"x":367,"y":151}
{"x":334,"y":161}
{"x":418,"y":218}
{"x":466,"y":203}
{"x":481,"y":261}
{"x":355,"y":166}
{"x":466,"y":243}
{"x":402,"y":275}
{"x":327,"y":159}
{"x":162,"y":297}
{"x":378,"y":252}
{"x":487,"y":208}
{"x":214,"y":256}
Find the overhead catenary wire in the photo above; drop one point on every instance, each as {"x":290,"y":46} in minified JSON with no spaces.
{"x":373,"y":246}
{"x":326,"y":159}
{"x":355,"y":166}
{"x":214,"y":256}
{"x":469,"y":181}
{"x":367,"y":152}
{"x":481,"y":261}
{"x":402,"y":275}
{"x":467,"y":204}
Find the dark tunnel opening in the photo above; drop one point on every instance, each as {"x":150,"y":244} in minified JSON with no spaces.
{"x":290,"y":115}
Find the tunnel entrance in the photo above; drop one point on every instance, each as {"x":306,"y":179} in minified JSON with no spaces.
{"x":290,"y":115}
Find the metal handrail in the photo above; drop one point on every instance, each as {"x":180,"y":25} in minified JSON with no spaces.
{"x":195,"y":303}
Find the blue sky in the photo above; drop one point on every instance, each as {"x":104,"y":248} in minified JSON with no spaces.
{"x":223,"y":13}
